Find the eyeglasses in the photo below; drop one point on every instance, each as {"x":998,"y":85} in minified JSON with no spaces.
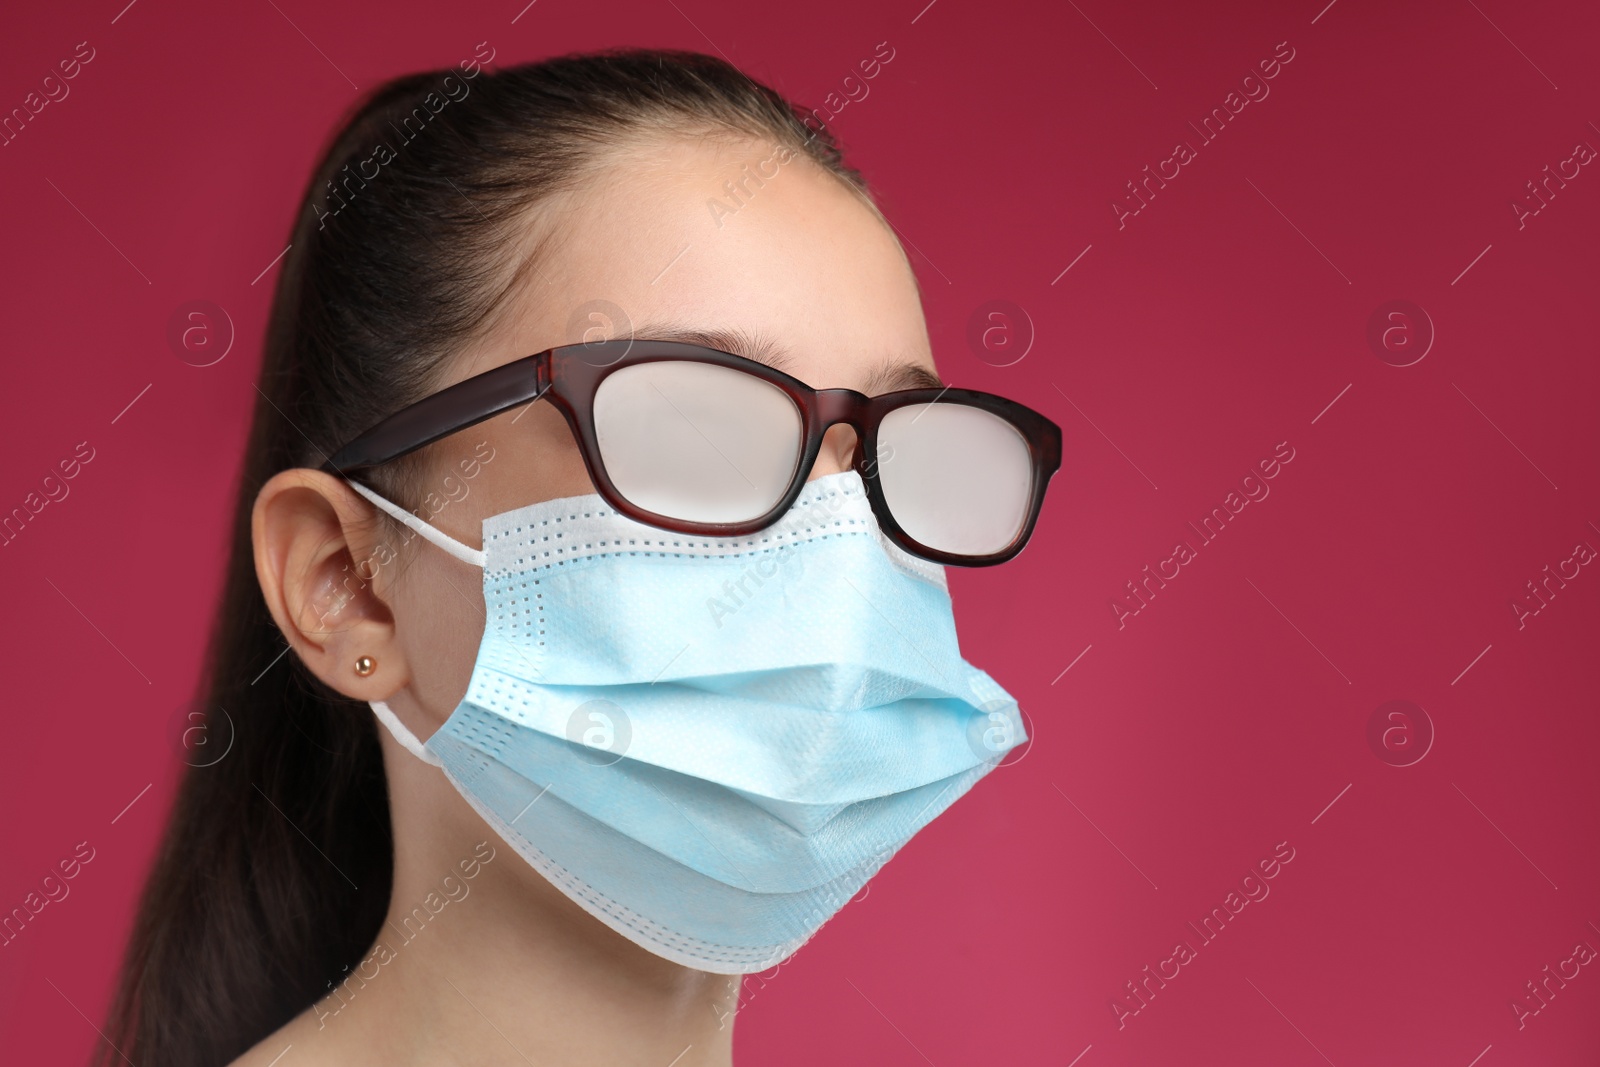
{"x":698,"y":441}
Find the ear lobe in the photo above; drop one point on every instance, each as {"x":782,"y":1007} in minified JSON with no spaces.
{"x":316,"y":560}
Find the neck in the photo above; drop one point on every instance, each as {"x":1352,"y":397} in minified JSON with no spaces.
{"x":481,"y":960}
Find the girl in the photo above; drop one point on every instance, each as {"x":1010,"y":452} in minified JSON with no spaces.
{"x":600,"y":458}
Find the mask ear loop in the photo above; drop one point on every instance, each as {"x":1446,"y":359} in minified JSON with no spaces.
{"x":407,"y":739}
{"x":435,"y":536}
{"x":429,"y":533}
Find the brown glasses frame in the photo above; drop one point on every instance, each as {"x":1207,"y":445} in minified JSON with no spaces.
{"x":570,"y":375}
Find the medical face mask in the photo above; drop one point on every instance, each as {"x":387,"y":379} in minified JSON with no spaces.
{"x":711,"y":744}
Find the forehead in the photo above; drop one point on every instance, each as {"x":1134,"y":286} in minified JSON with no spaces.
{"x":729,"y":239}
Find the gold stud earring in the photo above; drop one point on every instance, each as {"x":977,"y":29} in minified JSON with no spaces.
{"x":365,"y":665}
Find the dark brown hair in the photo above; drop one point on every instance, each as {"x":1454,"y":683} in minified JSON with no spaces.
{"x":252,"y":909}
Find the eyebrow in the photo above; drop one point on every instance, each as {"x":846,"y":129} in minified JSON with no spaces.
{"x":888,"y":376}
{"x":891,"y":376}
{"x":751,"y":344}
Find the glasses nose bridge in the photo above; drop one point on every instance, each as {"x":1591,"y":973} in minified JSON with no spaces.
{"x":834,"y":406}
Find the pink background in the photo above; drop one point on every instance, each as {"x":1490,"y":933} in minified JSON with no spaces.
{"x":1230,"y":714}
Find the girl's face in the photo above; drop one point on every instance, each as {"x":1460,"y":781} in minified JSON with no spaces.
{"x":683,"y":239}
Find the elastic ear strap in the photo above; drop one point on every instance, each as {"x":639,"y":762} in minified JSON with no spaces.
{"x":430,"y":533}
{"x":407,"y":739}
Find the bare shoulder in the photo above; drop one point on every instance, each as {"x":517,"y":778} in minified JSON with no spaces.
{"x":298,"y":1043}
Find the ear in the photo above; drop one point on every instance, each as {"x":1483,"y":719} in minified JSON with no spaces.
{"x":318,"y":553}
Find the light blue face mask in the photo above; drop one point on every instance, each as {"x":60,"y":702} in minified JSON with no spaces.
{"x":711,"y":744}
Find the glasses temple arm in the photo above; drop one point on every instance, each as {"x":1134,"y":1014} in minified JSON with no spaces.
{"x":448,"y":411}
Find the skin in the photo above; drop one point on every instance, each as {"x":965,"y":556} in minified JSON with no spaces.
{"x":514,"y":972}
